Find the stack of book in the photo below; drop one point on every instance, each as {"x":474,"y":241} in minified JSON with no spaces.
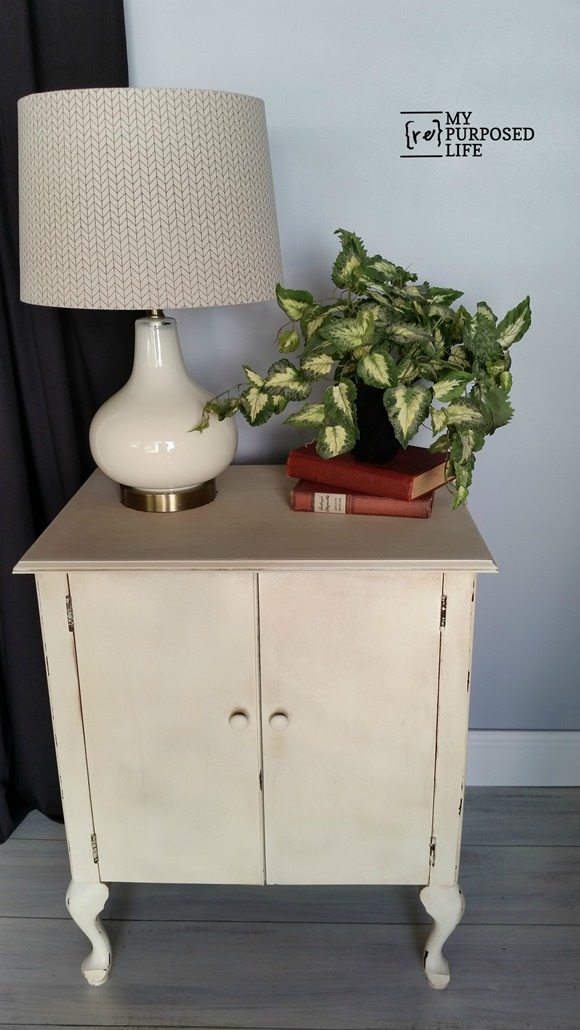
{"x":344,"y":486}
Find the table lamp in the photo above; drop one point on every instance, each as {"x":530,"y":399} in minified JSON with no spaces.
{"x":145,"y":199}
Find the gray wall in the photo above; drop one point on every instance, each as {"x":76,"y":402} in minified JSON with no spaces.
{"x":335,"y":75}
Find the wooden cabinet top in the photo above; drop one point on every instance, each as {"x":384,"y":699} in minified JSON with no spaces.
{"x":250,"y":525}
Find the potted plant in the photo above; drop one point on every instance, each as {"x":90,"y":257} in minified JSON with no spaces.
{"x":394,"y":352}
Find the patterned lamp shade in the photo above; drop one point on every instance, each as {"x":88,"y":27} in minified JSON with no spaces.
{"x":145,"y":198}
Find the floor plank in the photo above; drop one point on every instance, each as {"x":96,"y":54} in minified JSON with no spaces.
{"x":522,"y":815}
{"x":35,"y":826}
{"x":305,"y":977}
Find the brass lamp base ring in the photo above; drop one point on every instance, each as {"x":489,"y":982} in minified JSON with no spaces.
{"x":170,"y":500}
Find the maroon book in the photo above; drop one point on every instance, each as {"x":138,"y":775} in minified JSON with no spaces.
{"x":412,"y":472}
{"x":316,"y":497}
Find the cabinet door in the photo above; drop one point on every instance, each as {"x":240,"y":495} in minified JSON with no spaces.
{"x":349,"y":665}
{"x":165,"y":659}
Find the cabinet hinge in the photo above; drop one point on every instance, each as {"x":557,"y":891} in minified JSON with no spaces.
{"x":94,"y":847}
{"x":432,"y":850}
{"x":443,"y":612}
{"x":69,"y":613}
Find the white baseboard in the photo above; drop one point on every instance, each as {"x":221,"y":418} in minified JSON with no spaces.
{"x":523,"y":758}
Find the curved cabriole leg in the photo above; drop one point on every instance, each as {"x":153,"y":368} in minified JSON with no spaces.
{"x":84,"y":902}
{"x":445,"y":905}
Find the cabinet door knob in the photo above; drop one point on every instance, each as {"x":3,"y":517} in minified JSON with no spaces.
{"x":239,"y":719}
{"x":279,"y":720}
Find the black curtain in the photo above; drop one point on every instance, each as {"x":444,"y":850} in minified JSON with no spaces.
{"x":56,"y":368}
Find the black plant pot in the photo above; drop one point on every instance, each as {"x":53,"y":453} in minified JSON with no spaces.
{"x":377,"y":443}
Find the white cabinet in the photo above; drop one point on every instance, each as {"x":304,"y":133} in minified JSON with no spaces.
{"x":244,"y":694}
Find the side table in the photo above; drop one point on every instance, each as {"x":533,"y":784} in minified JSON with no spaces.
{"x":245,"y":694}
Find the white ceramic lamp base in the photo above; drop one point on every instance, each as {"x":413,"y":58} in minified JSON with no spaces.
{"x":141,"y":436}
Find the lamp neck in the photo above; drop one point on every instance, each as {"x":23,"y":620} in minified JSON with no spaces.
{"x":158,"y":359}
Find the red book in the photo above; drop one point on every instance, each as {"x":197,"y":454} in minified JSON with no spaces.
{"x":412,"y":472}
{"x":308,"y":496}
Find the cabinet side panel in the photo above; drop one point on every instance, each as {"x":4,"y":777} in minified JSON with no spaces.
{"x":452,"y":726}
{"x":349,"y":701}
{"x":67,"y":722}
{"x":167,"y":668}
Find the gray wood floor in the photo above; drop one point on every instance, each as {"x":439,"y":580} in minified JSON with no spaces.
{"x":310,"y":958}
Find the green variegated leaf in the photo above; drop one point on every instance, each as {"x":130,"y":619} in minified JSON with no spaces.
{"x":346,"y":271}
{"x":408,"y":333}
{"x":461,"y":320}
{"x":288,"y":340}
{"x":465,"y":413}
{"x":316,"y":365}
{"x":256,"y":405}
{"x":351,"y":242}
{"x":451,"y":386}
{"x":497,"y":408}
{"x":374,"y":307}
{"x":403,"y":276}
{"x":349,"y":333}
{"x":438,"y":420}
{"x":440,"y":366}
{"x":377,"y":369}
{"x":441,"y":446}
{"x":345,"y":369}
{"x":408,"y":371}
{"x":361,"y":352}
{"x":465,"y":443}
{"x":311,"y":415}
{"x":348,"y":266}
{"x":463,"y":473}
{"x":339,"y":401}
{"x":311,"y":325}
{"x":479,"y":337}
{"x":505,"y":381}
{"x":285,"y":378}
{"x":406,"y":292}
{"x":344,"y":335}
{"x":293,"y":302}
{"x":442,"y":295}
{"x":335,"y":440}
{"x":438,"y":341}
{"x":441,"y":312}
{"x":407,"y":407}
{"x":379,"y":269}
{"x":379,"y":294}
{"x":496,"y":366}
{"x":459,"y":358}
{"x":316,"y":316}
{"x":253,"y":377}
{"x":223,"y":408}
{"x":427,"y":371}
{"x":485,"y":311}
{"x":278,"y":402}
{"x":203,"y":423}
{"x":513,"y":326}
{"x":366,"y":320}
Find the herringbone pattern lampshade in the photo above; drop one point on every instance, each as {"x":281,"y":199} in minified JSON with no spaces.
{"x":145,"y":198}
